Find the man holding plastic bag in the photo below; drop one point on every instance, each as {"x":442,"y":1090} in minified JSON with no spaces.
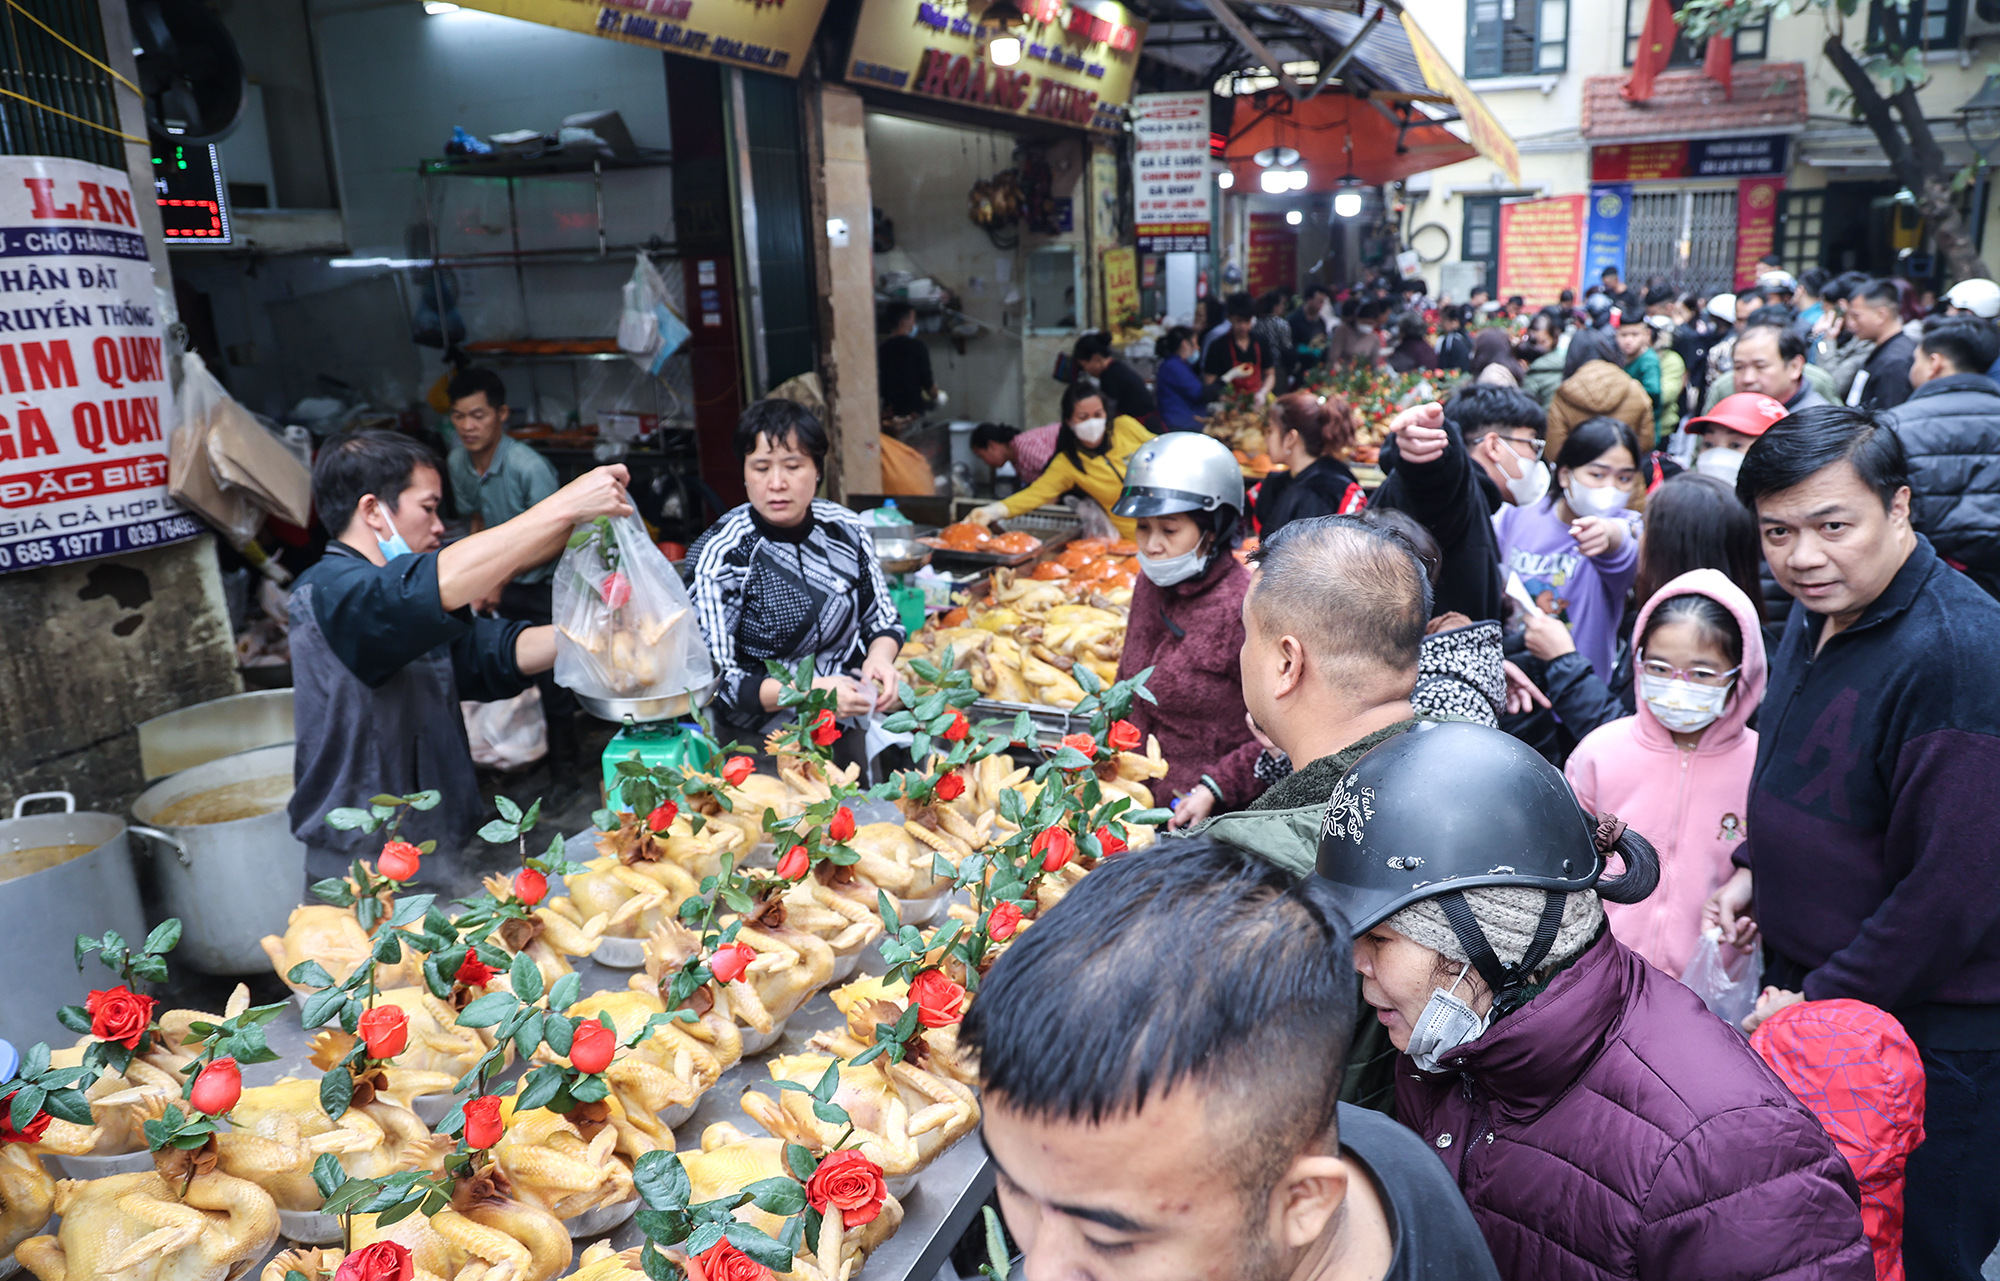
{"x":384,"y":642}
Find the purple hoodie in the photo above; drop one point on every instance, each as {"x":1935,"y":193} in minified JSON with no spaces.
{"x":1587,"y":594}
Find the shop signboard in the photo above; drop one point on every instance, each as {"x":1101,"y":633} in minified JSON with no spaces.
{"x":742,"y":33}
{"x":1610,"y":227}
{"x":1541,"y":247}
{"x":1756,"y":225}
{"x":1076,"y":67}
{"x":1703,"y":158}
{"x":1482,"y":129}
{"x":1121,"y":286}
{"x":1274,"y":254}
{"x":1170,"y":182}
{"x":83,"y":424}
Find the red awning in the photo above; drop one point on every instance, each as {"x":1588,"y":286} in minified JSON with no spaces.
{"x":1335,"y":134}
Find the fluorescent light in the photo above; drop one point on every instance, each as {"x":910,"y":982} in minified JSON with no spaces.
{"x":1225,"y":179}
{"x":1294,"y":217}
{"x":1347,"y":204}
{"x":392,"y":263}
{"x":1298,"y":180}
{"x":1003,"y":51}
{"x":1275,"y":180}
{"x":437,"y":7}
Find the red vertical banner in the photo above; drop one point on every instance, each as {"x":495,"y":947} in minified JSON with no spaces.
{"x":1274,"y":254}
{"x":1756,"y":225}
{"x":1541,"y":247}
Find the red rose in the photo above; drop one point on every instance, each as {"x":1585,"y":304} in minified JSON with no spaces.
{"x":724,"y":1262}
{"x":383,"y":1261}
{"x":850,"y":1181}
{"x":738,"y":769}
{"x":663,"y":817}
{"x":616,"y":590}
{"x":730,"y":961}
{"x":8,"y":1134}
{"x":590,"y":1050}
{"x":824,"y":731}
{"x":1081,"y":742}
{"x":1124,"y":736}
{"x":530,"y":886}
{"x":482,"y":1122}
{"x":951,"y":787}
{"x":841,"y":826}
{"x":1002,"y":921}
{"x":1109,"y":843}
{"x":385,"y":1030}
{"x":796,"y":863}
{"x":472,"y":971}
{"x":119,"y":1015}
{"x":399,"y":860}
{"x":939,"y":1001}
{"x":1056,"y":846}
{"x":957,"y":730}
{"x":217,"y":1088}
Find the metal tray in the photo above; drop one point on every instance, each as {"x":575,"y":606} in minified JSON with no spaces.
{"x":1051,"y":543}
{"x":642,"y":710}
{"x":1051,"y":723}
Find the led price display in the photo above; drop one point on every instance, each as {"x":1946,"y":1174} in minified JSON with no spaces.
{"x":194,"y":203}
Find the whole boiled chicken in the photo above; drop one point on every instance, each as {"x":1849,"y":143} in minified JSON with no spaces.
{"x":553,"y":1165}
{"x":330,"y":935}
{"x":485,"y":1234}
{"x":903,"y":1116}
{"x":672,"y":1068}
{"x":278,"y":1131}
{"x":731,"y":1160}
{"x":136,"y":1227}
{"x":790,"y":966}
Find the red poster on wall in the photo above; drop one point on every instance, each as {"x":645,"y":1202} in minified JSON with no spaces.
{"x":1274,"y":254}
{"x":1541,"y":247}
{"x":1756,"y":225}
{"x":1626,"y":161}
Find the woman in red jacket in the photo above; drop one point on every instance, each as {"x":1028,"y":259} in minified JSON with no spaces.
{"x":1185,"y":491}
{"x":1602,"y":1124}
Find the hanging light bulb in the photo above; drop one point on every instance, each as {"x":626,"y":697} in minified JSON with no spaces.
{"x":1275,"y":180}
{"x":1225,"y":179}
{"x":1298,"y":179}
{"x":1003,"y":51}
{"x":1294,"y":217}
{"x":1347,"y":199}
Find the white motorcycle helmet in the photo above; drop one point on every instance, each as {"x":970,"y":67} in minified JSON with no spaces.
{"x":1980,"y":297}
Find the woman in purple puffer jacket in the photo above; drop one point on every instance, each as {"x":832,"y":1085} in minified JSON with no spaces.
{"x":1599,"y":1120}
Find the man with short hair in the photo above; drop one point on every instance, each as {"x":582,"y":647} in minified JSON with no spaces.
{"x":1875,"y":314}
{"x":1160,"y":1065}
{"x":1950,"y":429}
{"x":903,"y":375}
{"x":1771,"y":361}
{"x":1120,"y":383}
{"x":1870,"y":865}
{"x":997,"y":444}
{"x":1312,"y":325}
{"x":1635,"y":349}
{"x":385,"y":644}
{"x":1240,"y":357}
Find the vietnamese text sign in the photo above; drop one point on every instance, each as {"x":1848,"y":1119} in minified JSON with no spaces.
{"x":1170,"y":183}
{"x":1121,"y":287}
{"x":1482,"y":130}
{"x":1703,"y":158}
{"x":744,"y":33}
{"x":1541,"y":245}
{"x":1274,"y":254}
{"x":83,"y":454}
{"x":1076,"y":65}
{"x":1756,"y":225}
{"x":1610,"y":225}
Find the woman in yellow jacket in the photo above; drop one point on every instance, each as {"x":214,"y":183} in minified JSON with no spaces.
{"x":1090,"y":456}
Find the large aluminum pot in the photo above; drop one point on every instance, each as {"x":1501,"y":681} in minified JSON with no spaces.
{"x":229,"y":882}
{"x":86,"y":887}
{"x":209,"y":731}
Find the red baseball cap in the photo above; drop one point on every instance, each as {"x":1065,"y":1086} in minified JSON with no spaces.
{"x":1749,"y":412}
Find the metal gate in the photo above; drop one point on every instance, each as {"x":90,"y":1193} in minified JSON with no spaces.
{"x":1689,"y":237}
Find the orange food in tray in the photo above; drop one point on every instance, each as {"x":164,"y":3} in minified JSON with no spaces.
{"x":1016,"y":544}
{"x":1095,"y":546}
{"x":1048,"y":571}
{"x":964,"y":537}
{"x":1076,"y":558}
{"x":1123,"y":547}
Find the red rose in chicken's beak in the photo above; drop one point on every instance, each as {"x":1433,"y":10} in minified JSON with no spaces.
{"x":730,"y":961}
{"x":663,"y":817}
{"x":399,"y":861}
{"x":1002,"y":921}
{"x":120,"y":1015}
{"x":939,"y":1001}
{"x":796,"y":863}
{"x":1081,"y":742}
{"x":592,"y":1047}
{"x":382,"y":1261}
{"x":1056,"y":846}
{"x":738,"y":769}
{"x":958,"y":729}
{"x":530,"y":886}
{"x":472,"y":971}
{"x":482,"y":1122}
{"x":217,"y":1088}
{"x":385,"y":1030}
{"x":847,"y":1179}
{"x":825,"y":732}
{"x":951,"y":786}
{"x":841,"y":826}
{"x":1109,"y":843}
{"x":1124,"y":736}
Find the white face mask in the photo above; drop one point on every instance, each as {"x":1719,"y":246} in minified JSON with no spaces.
{"x":1173,"y":569}
{"x":1360,"y":327}
{"x":1683,"y":706}
{"x":1723,"y":464}
{"x":1595,"y":500}
{"x":1090,"y":431}
{"x":1445,"y":1024}
{"x":1527,"y":488}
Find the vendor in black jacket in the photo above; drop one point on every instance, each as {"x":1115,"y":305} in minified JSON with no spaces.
{"x":1950,"y":429}
{"x":385,"y":644}
{"x":1127,"y":391}
{"x":1303,"y":434}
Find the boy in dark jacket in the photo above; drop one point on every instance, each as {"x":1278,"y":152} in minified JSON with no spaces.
{"x":1950,"y":429}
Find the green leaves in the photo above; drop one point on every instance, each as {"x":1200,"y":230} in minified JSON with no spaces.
{"x":348,"y":819}
{"x":513,"y":822}
{"x":662,"y":1181}
{"x":488,"y":1010}
{"x":526,"y":978}
{"x":998,"y":1265}
{"x":121,"y":959}
{"x":669,"y":1221}
{"x":309,"y":974}
{"x":336,"y":1092}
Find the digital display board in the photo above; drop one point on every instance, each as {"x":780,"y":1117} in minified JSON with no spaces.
{"x":194,"y":203}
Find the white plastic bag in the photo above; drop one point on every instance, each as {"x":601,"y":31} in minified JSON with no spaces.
{"x":650,"y":329}
{"x":1725,"y":979}
{"x":507,"y":734}
{"x":624,"y":625}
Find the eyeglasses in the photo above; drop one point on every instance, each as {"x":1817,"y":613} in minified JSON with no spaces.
{"x":1534,"y":447}
{"x":1696,"y":675}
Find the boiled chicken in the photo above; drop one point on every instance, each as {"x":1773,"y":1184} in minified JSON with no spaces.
{"x":868,"y":1002}
{"x":551,"y":1164}
{"x":27,"y":1196}
{"x":633,"y":898}
{"x":485,"y":1234}
{"x":331,"y":936}
{"x":731,"y":1160}
{"x":790,"y":966}
{"x":135,"y":1227}
{"x":903,"y":1116}
{"x":670,"y":1069}
{"x":279,"y":1131}
{"x":436,"y":1045}
{"x":548,"y":936}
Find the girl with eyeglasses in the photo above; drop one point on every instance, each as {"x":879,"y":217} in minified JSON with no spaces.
{"x":1679,"y":768}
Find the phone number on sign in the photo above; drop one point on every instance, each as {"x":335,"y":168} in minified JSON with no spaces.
{"x":34,"y":553}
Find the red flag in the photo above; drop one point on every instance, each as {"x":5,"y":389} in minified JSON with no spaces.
{"x":1656,"y":46}
{"x":1715,"y":60}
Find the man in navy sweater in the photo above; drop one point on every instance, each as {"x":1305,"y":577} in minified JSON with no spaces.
{"x":1871,"y":865}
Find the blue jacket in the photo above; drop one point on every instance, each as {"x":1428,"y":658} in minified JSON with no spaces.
{"x":1177,"y":388}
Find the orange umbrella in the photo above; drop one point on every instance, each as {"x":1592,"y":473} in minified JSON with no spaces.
{"x":1336,"y":135}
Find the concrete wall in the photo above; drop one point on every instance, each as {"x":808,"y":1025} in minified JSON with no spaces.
{"x":849,"y":314}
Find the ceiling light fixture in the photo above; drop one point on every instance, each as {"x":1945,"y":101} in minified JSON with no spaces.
{"x":1347,"y":196}
{"x":1294,"y":217}
{"x":437,"y":8}
{"x":1225,"y":179}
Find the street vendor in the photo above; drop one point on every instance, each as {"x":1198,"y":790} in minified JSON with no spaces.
{"x":1091,"y":454}
{"x":787,"y":576}
{"x":1185,"y":493}
{"x":385,"y":644}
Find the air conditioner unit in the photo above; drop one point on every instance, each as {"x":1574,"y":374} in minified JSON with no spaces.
{"x":1982,"y":18}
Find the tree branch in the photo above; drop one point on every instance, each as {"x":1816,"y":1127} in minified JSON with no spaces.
{"x":1922,"y":142}
{"x":1875,"y":110}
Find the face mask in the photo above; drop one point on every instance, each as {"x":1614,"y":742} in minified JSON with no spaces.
{"x":1090,"y":431}
{"x":1602,"y":500}
{"x":393,"y":546}
{"x":1682,"y":706}
{"x":1364,"y":329}
{"x":1723,"y":464}
{"x":1445,"y":1024}
{"x":1527,"y":488}
{"x":1174,"y":569}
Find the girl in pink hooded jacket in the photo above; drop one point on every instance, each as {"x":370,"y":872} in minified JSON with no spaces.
{"x":1679,"y":770}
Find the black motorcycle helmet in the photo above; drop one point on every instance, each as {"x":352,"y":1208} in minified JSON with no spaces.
{"x":1452,"y":806}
